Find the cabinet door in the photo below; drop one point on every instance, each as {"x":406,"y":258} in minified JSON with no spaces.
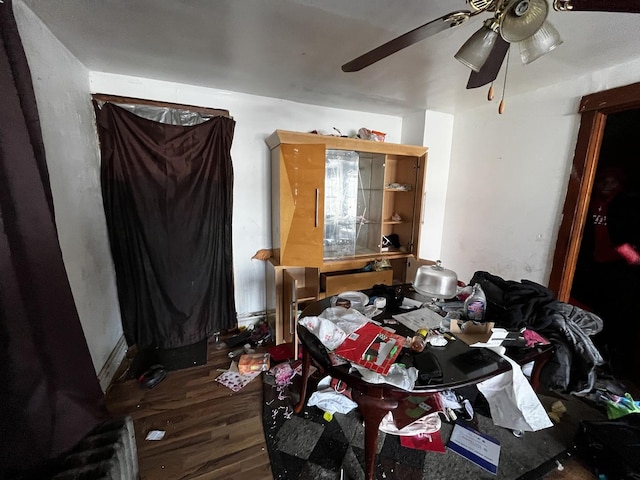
{"x":301,"y":204}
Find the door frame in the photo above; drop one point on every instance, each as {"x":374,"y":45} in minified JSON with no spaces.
{"x":594,"y":109}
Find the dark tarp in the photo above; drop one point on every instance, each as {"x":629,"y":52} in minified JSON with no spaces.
{"x":49,"y":394}
{"x":168,"y":198}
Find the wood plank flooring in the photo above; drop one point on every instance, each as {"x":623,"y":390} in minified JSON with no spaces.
{"x":211,"y":432}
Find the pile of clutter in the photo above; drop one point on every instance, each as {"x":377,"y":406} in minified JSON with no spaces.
{"x":246,"y":363}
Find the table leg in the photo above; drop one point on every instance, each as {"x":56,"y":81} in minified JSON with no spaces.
{"x":373,"y":410}
{"x":537,"y":368}
{"x":306,"y":364}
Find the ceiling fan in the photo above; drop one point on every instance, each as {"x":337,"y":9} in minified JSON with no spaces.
{"x":513,"y":21}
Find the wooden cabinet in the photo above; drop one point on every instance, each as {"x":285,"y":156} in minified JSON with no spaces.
{"x":338,"y":204}
{"x":316,"y":208}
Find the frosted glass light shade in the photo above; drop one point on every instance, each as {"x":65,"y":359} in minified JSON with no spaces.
{"x":522,"y":18}
{"x":475,"y":51}
{"x":540,"y":43}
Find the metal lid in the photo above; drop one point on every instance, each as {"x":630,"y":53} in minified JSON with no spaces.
{"x":436,"y":281}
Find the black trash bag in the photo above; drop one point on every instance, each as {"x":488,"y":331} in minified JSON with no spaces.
{"x":610,"y":447}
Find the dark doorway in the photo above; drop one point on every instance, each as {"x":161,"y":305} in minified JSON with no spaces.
{"x":604,"y":282}
{"x":606,"y":141}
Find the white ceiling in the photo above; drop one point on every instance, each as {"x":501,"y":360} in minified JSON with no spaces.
{"x":293,"y":49}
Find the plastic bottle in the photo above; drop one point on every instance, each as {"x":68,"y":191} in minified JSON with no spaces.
{"x":475,"y":305}
{"x":419,"y":341}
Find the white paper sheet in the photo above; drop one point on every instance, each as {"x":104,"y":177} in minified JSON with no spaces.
{"x":420,"y":318}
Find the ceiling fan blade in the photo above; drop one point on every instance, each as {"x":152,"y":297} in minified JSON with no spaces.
{"x":624,"y":6}
{"x":489,"y":71}
{"x":452,"y":19}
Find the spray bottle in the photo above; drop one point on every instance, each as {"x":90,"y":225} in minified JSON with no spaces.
{"x":475,"y":305}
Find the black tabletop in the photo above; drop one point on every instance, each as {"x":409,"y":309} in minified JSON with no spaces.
{"x":440,"y":368}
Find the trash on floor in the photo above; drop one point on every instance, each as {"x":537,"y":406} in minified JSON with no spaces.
{"x":235,"y":380}
{"x":155,"y":435}
{"x":328,"y":399}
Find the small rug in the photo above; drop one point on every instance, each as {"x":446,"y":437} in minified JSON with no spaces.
{"x":308,"y":447}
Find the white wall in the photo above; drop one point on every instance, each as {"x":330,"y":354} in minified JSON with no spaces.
{"x":61,"y":87}
{"x":509,"y":175}
{"x":435,"y":131}
{"x":256,"y":118}
{"x":438,"y":134}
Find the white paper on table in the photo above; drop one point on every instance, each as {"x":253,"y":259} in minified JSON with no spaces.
{"x":411,"y":303}
{"x":420,"y":318}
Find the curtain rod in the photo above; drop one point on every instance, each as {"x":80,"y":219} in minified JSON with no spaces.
{"x":140,"y":101}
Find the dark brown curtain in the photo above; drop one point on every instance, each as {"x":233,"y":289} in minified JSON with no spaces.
{"x":49,"y":394}
{"x":168,"y":199}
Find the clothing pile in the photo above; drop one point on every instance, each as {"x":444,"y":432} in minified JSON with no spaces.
{"x":526,"y":304}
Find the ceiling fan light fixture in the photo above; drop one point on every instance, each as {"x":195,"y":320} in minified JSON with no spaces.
{"x":475,"y":51}
{"x":522,"y":18}
{"x":540,"y":43}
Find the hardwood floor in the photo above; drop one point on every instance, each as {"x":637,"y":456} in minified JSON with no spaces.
{"x":211,"y":432}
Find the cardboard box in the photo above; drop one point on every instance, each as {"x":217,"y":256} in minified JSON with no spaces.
{"x":253,"y":362}
{"x":471,"y":333}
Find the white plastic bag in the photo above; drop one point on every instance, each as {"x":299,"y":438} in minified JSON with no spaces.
{"x":430,"y":423}
{"x":512,"y":401}
{"x":329,"y":334}
{"x":398,"y":376}
{"x":327,"y":399}
{"x":333,"y":325}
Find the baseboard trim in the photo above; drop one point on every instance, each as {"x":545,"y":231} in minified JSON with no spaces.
{"x":110,"y":367}
{"x":248,"y":320}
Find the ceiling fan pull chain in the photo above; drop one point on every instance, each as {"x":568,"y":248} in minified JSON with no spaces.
{"x":504,"y":86}
{"x":491,"y":92}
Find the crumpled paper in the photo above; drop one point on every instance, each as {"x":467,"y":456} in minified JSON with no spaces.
{"x":512,"y":401}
